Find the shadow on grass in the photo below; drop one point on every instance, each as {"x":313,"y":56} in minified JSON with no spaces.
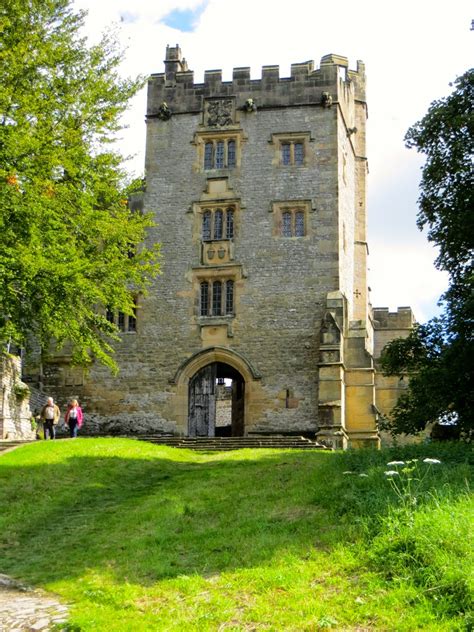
{"x":151,"y":516}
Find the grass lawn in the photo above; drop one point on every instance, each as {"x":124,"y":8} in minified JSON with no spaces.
{"x":143,"y":537}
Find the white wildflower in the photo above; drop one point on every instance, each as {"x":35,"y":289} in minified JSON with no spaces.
{"x":391,"y":473}
{"x":348,"y":472}
{"x":431,"y":461}
{"x":396,"y":463}
{"x":364,"y":475}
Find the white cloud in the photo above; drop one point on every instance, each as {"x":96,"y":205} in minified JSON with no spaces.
{"x":398,"y":271}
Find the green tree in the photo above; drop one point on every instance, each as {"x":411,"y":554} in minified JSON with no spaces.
{"x":66,"y":229}
{"x":438,"y":356}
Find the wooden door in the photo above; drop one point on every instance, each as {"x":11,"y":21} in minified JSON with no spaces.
{"x":202,"y":402}
{"x":238,"y":408}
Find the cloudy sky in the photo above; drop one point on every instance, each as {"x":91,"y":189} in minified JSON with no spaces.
{"x":412,"y":49}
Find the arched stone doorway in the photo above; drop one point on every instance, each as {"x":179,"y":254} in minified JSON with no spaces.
{"x":216,"y":402}
{"x":229,"y":363}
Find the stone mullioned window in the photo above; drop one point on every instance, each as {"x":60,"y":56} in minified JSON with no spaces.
{"x":220,"y":154}
{"x":291,"y":148}
{"x":290,"y":219}
{"x":292,"y":223}
{"x":218,"y":223}
{"x":126,"y":323}
{"x":218,"y":149}
{"x":217,"y":297}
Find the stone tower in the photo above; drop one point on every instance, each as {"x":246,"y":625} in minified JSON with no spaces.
{"x":258,"y":188}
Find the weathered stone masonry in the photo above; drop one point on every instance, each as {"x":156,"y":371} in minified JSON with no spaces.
{"x":15,"y":413}
{"x":286,"y":157}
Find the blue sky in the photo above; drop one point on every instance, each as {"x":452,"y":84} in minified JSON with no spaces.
{"x":184,"y":20}
{"x":412,"y":51}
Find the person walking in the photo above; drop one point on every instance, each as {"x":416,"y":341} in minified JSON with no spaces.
{"x":49,"y":415}
{"x":73,"y":418}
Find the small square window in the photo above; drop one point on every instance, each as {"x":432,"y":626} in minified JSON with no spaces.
{"x":290,"y":219}
{"x":291,"y":149}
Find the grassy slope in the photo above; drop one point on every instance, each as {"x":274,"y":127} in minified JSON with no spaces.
{"x":141,"y":537}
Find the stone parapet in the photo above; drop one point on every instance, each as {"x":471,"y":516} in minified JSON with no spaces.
{"x":330,"y":83}
{"x":390,"y":325}
{"x":403,"y":318}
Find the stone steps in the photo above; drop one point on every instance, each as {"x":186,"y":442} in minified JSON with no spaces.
{"x":219,"y":444}
{"x":6,"y":444}
{"x":211,"y":444}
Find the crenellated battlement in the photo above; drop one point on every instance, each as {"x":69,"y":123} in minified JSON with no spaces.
{"x":330,"y":83}
{"x":388,"y":326}
{"x":401,"y":319}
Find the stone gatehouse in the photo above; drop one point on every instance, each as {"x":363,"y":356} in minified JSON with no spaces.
{"x":258,"y":188}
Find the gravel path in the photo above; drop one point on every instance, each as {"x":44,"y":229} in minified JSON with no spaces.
{"x":25,"y":609}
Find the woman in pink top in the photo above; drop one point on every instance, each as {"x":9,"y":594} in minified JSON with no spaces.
{"x":73,"y":417}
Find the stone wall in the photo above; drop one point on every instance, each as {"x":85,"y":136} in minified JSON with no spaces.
{"x":389,"y":326}
{"x":15,"y":414}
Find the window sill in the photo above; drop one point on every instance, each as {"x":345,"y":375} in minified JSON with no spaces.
{"x":215,"y":320}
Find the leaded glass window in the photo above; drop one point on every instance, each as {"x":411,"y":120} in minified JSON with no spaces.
{"x":208,"y":155}
{"x":293,"y":223}
{"x":299,"y":224}
{"x":218,"y":222}
{"x":291,"y":148}
{"x":286,"y":224}
{"x":132,"y":323}
{"x":220,"y":155}
{"x":299,"y":156}
{"x":286,"y":153}
{"x":125,"y":322}
{"x":216,"y":298}
{"x":231,"y":155}
{"x":229,"y":229}
{"x":204,"y":298}
{"x":229,"y":297}
{"x":132,"y":319}
{"x":206,"y":225}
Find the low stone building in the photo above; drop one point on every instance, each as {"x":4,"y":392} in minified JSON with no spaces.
{"x":258,"y":188}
